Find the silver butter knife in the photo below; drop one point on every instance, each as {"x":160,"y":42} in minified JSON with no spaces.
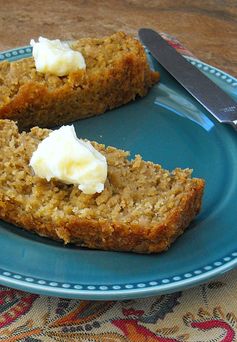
{"x":215,"y":100}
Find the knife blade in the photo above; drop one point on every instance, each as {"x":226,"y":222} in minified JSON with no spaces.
{"x":206,"y":92}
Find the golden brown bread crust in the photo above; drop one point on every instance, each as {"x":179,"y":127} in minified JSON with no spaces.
{"x":117,"y":71}
{"x":24,"y":200}
{"x":105,"y":235}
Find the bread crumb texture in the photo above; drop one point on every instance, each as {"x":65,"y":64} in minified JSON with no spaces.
{"x":142,"y":209}
{"x":116,"y":72}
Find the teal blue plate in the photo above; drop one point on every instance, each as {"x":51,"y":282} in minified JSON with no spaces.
{"x":168,"y":127}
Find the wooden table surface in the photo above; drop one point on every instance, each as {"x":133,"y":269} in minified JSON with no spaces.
{"x":207,"y":27}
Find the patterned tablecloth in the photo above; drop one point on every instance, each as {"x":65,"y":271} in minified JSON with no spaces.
{"x":207,"y":313}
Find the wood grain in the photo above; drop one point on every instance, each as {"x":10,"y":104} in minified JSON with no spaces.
{"x":207,"y":27}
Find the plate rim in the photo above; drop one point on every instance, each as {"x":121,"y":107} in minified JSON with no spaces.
{"x":121,"y":294}
{"x":121,"y":291}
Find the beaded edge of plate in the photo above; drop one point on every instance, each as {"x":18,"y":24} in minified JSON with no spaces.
{"x":131,"y":286}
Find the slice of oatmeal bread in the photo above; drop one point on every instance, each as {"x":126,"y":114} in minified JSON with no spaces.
{"x":116,"y":72}
{"x":143,"y":207}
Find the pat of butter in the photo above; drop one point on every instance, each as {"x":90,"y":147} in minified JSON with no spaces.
{"x":71,"y":160}
{"x":56,"y":57}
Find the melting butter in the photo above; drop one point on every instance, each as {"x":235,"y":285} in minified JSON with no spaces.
{"x":70,"y":160}
{"x":56,"y":57}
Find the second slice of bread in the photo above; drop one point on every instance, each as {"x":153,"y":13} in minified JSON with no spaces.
{"x":116,"y":72}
